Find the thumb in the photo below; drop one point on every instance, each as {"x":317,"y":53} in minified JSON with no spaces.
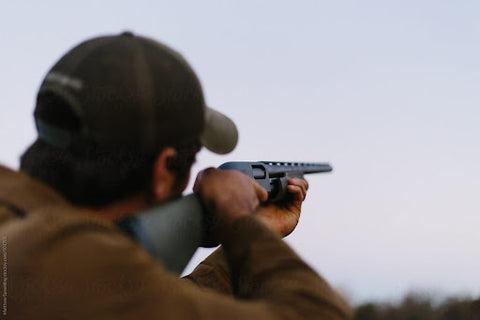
{"x":262,"y":194}
{"x":200,"y":176}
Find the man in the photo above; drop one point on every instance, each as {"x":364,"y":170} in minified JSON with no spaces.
{"x":120,"y":120}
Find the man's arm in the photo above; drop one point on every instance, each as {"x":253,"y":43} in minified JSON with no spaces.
{"x":262,"y":266}
{"x":102,"y":274}
{"x":282,"y":218}
{"x":213,"y":273}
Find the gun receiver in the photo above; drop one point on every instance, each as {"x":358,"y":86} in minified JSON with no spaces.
{"x":274,"y":175}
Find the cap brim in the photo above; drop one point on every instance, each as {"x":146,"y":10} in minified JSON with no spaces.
{"x":220,"y":133}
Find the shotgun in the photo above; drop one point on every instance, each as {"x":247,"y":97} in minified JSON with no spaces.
{"x":172,"y":232}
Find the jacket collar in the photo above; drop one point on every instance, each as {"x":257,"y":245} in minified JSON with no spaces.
{"x":25,"y":193}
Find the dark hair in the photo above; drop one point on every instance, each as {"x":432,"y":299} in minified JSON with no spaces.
{"x":98,"y":177}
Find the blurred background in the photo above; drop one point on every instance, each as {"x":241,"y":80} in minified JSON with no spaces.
{"x":387,"y":91}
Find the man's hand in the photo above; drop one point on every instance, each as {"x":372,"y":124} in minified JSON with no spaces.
{"x":283,"y":217}
{"x":228,"y":194}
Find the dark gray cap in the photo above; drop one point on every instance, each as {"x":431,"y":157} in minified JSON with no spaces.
{"x":130,"y":90}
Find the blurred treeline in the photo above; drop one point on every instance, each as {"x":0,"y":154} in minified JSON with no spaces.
{"x":418,"y":307}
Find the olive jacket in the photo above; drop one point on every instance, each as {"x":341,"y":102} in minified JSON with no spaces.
{"x":63,"y":262}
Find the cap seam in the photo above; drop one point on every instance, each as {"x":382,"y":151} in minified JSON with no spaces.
{"x":148,"y":99}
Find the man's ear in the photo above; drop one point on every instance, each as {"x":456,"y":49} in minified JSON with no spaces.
{"x":164,"y":180}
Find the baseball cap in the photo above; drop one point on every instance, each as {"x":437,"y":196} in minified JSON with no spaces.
{"x":130,"y":90}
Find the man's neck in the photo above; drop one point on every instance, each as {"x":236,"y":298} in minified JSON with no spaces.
{"x":123,"y":208}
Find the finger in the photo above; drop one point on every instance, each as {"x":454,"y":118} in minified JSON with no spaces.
{"x":261,"y":193}
{"x":297,"y":192}
{"x":300,"y":183}
{"x":208,"y":170}
{"x":200,"y":176}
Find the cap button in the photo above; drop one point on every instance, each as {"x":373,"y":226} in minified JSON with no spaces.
{"x":127,"y":34}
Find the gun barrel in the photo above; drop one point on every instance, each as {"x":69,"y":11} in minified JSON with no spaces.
{"x":276,"y":167}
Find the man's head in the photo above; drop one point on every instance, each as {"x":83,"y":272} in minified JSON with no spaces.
{"x":119,"y":116}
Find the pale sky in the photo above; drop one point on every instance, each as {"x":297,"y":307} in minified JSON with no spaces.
{"x":387,"y":91}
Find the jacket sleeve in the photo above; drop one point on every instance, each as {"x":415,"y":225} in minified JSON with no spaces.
{"x":105,"y":275}
{"x":213,"y":273}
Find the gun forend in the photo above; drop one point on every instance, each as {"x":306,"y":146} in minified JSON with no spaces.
{"x":274,"y":175}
